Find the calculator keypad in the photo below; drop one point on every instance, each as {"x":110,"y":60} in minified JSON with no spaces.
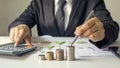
{"x":10,"y":47}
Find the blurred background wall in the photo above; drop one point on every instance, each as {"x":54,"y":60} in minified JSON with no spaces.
{"x":11,"y":9}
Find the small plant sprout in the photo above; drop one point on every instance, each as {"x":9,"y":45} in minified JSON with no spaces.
{"x":41,"y":55}
{"x":50,"y":48}
{"x":45,"y":42}
{"x":60,"y":43}
{"x":81,"y":42}
{"x":42,"y":52}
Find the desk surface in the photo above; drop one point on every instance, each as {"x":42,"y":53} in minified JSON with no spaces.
{"x":30,"y":60}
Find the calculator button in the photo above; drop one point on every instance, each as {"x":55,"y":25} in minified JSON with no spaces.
{"x":10,"y":48}
{"x":17,"y":49}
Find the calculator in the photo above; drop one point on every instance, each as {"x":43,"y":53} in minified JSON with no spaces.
{"x":9,"y":49}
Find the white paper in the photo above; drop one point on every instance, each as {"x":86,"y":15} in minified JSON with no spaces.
{"x":90,"y":51}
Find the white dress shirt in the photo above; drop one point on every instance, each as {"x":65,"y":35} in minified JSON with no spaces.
{"x":67,"y":10}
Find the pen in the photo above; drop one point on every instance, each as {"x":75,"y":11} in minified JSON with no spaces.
{"x":90,"y":15}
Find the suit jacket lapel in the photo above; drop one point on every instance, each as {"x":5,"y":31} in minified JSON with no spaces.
{"x":76,"y":13}
{"x":48,"y":8}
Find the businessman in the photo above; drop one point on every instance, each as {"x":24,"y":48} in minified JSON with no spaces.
{"x":66,"y":18}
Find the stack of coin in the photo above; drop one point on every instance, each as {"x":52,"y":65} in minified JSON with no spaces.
{"x":70,"y":53}
{"x":41,"y":57}
{"x":50,"y":56}
{"x":59,"y":54}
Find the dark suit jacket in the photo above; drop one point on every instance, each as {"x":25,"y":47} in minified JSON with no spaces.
{"x":41,"y":12}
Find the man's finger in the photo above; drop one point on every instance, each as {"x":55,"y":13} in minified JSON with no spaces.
{"x":19,"y":38}
{"x":16,"y":30}
{"x":12,"y":33}
{"x":91,"y":31}
{"x":28,"y":40}
{"x":97,"y":36}
{"x":76,"y":30}
{"x":87,"y":25}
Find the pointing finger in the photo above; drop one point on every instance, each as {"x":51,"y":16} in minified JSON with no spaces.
{"x":28,"y":40}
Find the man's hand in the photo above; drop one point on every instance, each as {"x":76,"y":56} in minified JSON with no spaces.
{"x":20,"y":32}
{"x":92,"y":29}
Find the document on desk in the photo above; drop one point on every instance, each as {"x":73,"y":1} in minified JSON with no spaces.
{"x":83,"y":48}
{"x":89,"y":50}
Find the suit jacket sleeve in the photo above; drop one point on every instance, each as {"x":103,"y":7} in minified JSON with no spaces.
{"x":27,"y":17}
{"x":111,"y":27}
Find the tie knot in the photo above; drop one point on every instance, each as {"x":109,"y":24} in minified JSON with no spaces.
{"x":62,"y":2}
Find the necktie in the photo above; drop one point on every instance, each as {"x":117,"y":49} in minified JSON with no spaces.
{"x":60,"y":16}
